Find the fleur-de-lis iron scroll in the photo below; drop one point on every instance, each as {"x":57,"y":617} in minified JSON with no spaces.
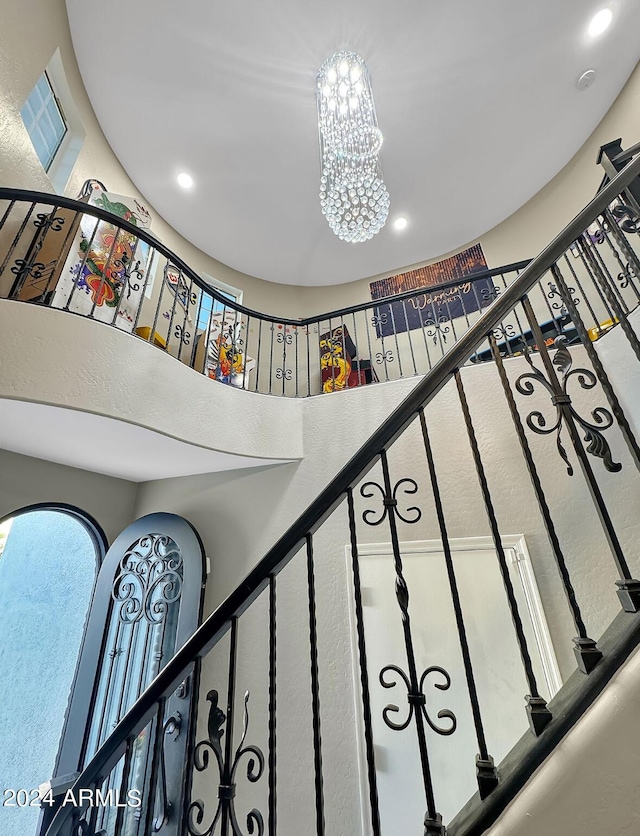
{"x":227,"y":772}
{"x":390,"y":502}
{"x":597,"y":444}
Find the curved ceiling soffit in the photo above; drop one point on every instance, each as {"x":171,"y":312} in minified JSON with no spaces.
{"x":477,"y":104}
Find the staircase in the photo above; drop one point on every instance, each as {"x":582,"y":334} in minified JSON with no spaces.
{"x":511,"y":472}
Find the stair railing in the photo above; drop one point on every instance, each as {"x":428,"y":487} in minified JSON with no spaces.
{"x":524,"y":391}
{"x":78,"y":258}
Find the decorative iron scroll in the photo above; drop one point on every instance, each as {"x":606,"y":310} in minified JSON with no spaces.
{"x":390,"y":501}
{"x":227,"y":772}
{"x":417,"y":701}
{"x":597,"y":444}
{"x":149,"y":579}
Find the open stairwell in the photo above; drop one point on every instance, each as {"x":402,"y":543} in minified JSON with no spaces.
{"x":445,"y":641}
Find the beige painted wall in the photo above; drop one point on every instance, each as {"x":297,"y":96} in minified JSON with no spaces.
{"x":590,"y":785}
{"x":27,"y":481}
{"x":25,"y":50}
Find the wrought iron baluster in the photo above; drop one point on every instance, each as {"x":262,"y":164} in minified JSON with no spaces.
{"x":14,"y":243}
{"x":271,"y":358}
{"x":419,"y":308}
{"x":189,"y":688}
{"x":315,"y":691}
{"x":124,"y":785}
{"x":273,"y":682}
{"x":628,"y":587}
{"x":553,"y":315}
{"x":601,"y":266}
{"x":150,"y":266}
{"x":408,"y":332}
{"x":632,"y":267}
{"x":6,"y":213}
{"x":486,"y":772}
{"x":364,"y":672}
{"x":297,"y":332}
{"x":586,"y":651}
{"x":537,"y":711}
{"x":594,"y":358}
{"x":258,"y":356}
{"x":610,"y":293}
{"x":156,"y":755}
{"x":415,"y":688}
{"x":632,"y":257}
{"x":227,"y":762}
{"x":395,"y":336}
{"x":178,"y":290}
{"x":367,"y":320}
{"x":583,"y":295}
{"x":156,"y":315}
{"x":344,"y":351}
{"x":307,"y":334}
{"x":182,"y":333}
{"x":220,"y":340}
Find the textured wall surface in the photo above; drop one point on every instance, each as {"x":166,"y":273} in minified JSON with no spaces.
{"x":52,"y":358}
{"x":25,"y":481}
{"x":239,"y":517}
{"x":591,"y":784}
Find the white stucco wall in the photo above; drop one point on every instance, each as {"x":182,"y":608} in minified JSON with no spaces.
{"x":52,"y":357}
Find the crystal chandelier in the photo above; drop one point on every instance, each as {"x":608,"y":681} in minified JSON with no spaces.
{"x":353,"y":196}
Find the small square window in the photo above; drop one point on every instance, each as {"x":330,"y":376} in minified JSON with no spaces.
{"x":44,"y":121}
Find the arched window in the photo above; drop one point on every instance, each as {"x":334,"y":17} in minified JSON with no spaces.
{"x":82,"y":649}
{"x":48,"y":566}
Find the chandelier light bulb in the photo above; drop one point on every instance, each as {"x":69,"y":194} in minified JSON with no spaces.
{"x":353,"y":196}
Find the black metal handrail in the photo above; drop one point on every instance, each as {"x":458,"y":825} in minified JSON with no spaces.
{"x":298,"y":536}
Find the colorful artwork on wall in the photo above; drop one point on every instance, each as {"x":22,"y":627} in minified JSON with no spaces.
{"x":419,"y":310}
{"x":106,"y":268}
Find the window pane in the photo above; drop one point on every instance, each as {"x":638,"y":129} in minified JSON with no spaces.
{"x":40,"y":145}
{"x":44,"y":121}
{"x":56,"y":119}
{"x":43,"y":87}
{"x":27,"y":115}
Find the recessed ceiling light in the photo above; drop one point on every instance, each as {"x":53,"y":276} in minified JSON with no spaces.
{"x":185,"y":180}
{"x":400,"y":223}
{"x":600,"y":22}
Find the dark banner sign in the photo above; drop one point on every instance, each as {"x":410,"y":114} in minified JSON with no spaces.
{"x":433,"y":306}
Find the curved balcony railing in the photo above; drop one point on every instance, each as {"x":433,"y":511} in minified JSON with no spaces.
{"x":561,"y":419}
{"x":82,"y":259}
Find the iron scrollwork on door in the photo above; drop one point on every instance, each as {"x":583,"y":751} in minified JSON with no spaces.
{"x":597,"y":444}
{"x":227,"y":771}
{"x":149,"y":579}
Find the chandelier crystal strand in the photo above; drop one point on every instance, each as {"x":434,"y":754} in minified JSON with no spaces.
{"x":353,"y":195}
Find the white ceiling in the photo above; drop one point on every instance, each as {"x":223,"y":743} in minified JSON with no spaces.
{"x":51,"y":433}
{"x":476,"y":100}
